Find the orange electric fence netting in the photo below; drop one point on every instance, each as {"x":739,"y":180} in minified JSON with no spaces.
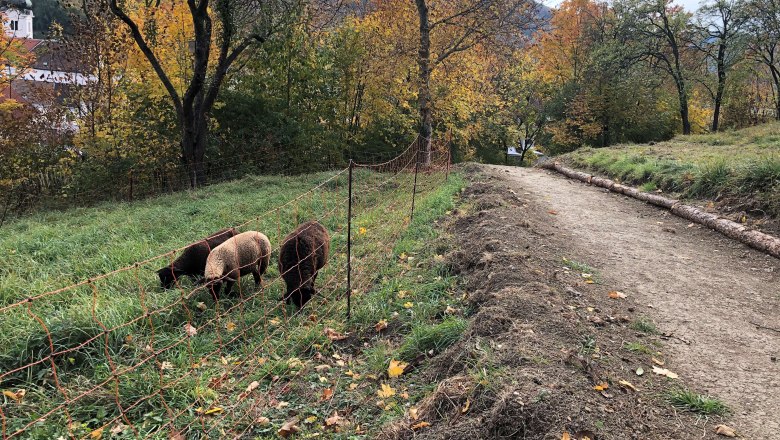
{"x":118,"y":356}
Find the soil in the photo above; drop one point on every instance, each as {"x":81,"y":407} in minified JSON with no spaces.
{"x":542,"y":337}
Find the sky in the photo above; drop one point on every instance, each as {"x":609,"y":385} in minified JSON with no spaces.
{"x":690,"y":5}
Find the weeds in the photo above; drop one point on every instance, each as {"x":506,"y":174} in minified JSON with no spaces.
{"x":432,"y":337}
{"x":687,"y":400}
{"x":645,"y":326}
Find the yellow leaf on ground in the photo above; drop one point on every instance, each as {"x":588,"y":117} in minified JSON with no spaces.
{"x":288,"y":428}
{"x":327,"y":393}
{"x":353,"y":386}
{"x":362,"y":231}
{"x":396,"y":368}
{"x":466,"y":407}
{"x":413,"y":413}
{"x":408,"y":305}
{"x":658,"y":362}
{"x":16,"y":396}
{"x":262,"y":420}
{"x":386,"y":391}
{"x":230,"y":326}
{"x":310,"y":419}
{"x":402,"y":294}
{"x":381,"y":325}
{"x":628,"y":385}
{"x":665,"y":372}
{"x":212,"y":411}
{"x":617,"y":295}
{"x":201,"y":306}
{"x":420,"y":425}
{"x":335,"y":420}
{"x":565,"y":436}
{"x":96,"y":433}
{"x":601,"y":387}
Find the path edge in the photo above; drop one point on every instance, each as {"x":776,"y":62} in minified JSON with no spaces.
{"x":756,"y":239}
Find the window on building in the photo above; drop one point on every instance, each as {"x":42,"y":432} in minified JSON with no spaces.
{"x":14,"y":25}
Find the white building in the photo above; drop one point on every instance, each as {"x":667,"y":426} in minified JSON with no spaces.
{"x":17,"y":18}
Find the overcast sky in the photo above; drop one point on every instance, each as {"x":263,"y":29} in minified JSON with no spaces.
{"x":690,"y":5}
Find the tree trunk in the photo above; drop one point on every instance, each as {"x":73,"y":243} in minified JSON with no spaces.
{"x":683,"y":95}
{"x":721,"y":86}
{"x":424,"y":99}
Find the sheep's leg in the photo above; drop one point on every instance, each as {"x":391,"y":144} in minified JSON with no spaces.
{"x":256,"y":275}
{"x":228,"y":286}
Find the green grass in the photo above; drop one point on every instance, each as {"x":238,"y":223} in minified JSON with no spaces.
{"x":742,"y":164}
{"x":689,"y":401}
{"x":638,"y":347}
{"x":432,"y":338}
{"x":644,"y":325}
{"x":241,"y":339}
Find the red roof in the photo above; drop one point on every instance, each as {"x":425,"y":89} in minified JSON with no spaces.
{"x":30,"y":43}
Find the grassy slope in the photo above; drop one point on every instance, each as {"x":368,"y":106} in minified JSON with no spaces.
{"x":49,"y":251}
{"x":741,"y":167}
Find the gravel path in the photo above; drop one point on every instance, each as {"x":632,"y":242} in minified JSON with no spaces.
{"x":708,"y":291}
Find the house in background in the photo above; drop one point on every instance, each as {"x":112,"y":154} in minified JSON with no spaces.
{"x":18,"y":20}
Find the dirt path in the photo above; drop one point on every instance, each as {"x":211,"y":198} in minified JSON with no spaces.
{"x":707,"y":290}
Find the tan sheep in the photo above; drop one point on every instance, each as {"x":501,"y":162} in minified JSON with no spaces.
{"x":248,"y":252}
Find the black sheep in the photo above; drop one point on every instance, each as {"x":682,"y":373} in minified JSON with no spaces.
{"x":192,"y":261}
{"x":302,"y":254}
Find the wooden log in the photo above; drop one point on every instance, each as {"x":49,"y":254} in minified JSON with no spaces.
{"x":755,"y":239}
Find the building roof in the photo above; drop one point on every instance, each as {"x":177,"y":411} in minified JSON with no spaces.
{"x":36,"y":92}
{"x":53,"y":55}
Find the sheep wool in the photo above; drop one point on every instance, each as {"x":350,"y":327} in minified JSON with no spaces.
{"x":302,"y":254}
{"x":248,"y":252}
{"x":192,"y":261}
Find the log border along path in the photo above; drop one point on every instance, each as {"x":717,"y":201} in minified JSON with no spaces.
{"x":751,"y":237}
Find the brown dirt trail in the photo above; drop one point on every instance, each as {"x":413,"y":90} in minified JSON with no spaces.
{"x":711,"y":293}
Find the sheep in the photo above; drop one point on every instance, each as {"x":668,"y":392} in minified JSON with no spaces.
{"x":192,"y":261}
{"x":302,"y":254}
{"x":248,"y":252}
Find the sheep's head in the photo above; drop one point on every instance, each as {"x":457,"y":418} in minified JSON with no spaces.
{"x":168,"y":276}
{"x":300,"y":296}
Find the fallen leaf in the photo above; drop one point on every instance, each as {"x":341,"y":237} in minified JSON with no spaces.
{"x":402,"y":294}
{"x":230,"y":326}
{"x":725,"y":431}
{"x":333,"y":335}
{"x":322,"y":367}
{"x":175,"y":435}
{"x":353,"y":386}
{"x":16,"y":396}
{"x":310,"y":419}
{"x":362,"y":231}
{"x":396,"y":368}
{"x":657,"y":362}
{"x":281,"y":405}
{"x":601,"y":387}
{"x":589,"y":281}
{"x":640,"y":371}
{"x":166,"y":366}
{"x":190,"y":330}
{"x":627,"y":384}
{"x":118,"y":428}
{"x":617,"y":295}
{"x":335,"y":420}
{"x":252,"y":386}
{"x":466,"y":407}
{"x":413,"y":413}
{"x":552,"y":212}
{"x":201,"y":306}
{"x":327,"y":393}
{"x":262,"y":420}
{"x":211,"y":411}
{"x":408,"y":305}
{"x":288,"y":428}
{"x":386,"y":391}
{"x":381,"y":325}
{"x":96,"y":433}
{"x":565,"y":436}
{"x":450,"y":310}
{"x":274,"y":321}
{"x":665,"y":372}
{"x":420,"y":425}
{"x":402,"y":256}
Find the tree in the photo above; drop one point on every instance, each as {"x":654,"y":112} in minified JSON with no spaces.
{"x":660,"y":34}
{"x":228,"y":26}
{"x":721,"y":24}
{"x":461,"y":25}
{"x":764,"y":30}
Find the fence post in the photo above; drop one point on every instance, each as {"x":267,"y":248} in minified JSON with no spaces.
{"x":416,"y":170}
{"x":349,"y":243}
{"x":131,"y":185}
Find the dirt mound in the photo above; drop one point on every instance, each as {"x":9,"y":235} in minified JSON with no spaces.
{"x":541,"y":337}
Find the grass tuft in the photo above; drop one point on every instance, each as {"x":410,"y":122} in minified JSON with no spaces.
{"x":645,"y":326}
{"x":687,"y":400}
{"x":436,"y":337}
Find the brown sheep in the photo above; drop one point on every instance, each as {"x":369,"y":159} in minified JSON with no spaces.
{"x":192,"y":261}
{"x":302,"y":254}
